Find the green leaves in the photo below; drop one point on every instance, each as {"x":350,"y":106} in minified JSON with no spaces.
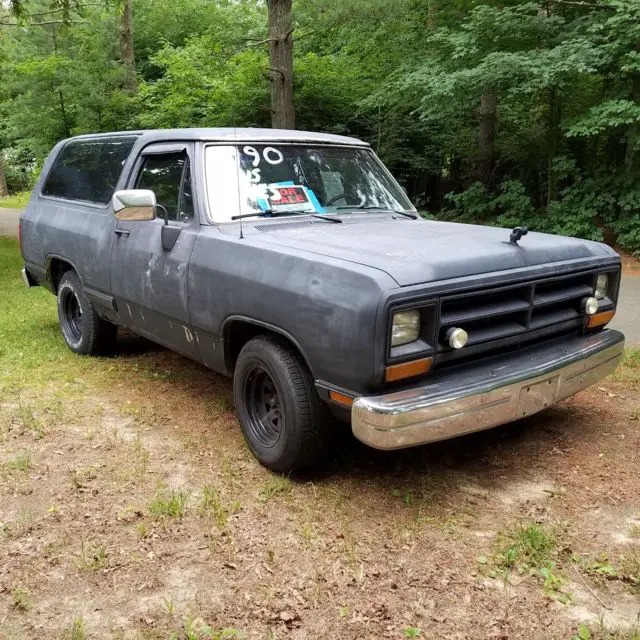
{"x":560,"y":150}
{"x":606,"y":115}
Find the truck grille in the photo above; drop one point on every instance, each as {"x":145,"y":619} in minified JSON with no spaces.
{"x":509,"y":316}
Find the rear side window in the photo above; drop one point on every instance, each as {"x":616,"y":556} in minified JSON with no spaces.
{"x":88,"y":169}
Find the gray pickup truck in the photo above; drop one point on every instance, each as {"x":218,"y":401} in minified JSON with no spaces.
{"x":295,"y":263}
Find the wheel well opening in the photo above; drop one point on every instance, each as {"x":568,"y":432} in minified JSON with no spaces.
{"x":239,"y":332}
{"x":57,"y":268}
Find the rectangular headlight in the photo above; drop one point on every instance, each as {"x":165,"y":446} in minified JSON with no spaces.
{"x":405,"y":327}
{"x":602,"y":286}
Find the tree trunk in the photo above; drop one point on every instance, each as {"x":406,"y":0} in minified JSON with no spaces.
{"x":634,"y":131}
{"x":487,"y":135}
{"x":283,"y":115}
{"x":4,"y":190}
{"x":126,"y":46}
{"x":63,"y":113}
{"x":554,"y":136}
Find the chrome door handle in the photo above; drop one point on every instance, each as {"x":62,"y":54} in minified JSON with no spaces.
{"x":122,"y":232}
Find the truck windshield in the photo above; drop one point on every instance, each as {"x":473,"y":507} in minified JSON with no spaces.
{"x":259,"y":178}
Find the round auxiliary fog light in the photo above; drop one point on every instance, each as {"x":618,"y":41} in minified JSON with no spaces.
{"x":590,"y":306}
{"x":457,"y":337}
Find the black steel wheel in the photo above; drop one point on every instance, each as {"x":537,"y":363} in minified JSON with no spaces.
{"x":83,"y":330}
{"x":262,"y":400}
{"x":71,"y":318}
{"x":285,"y":424}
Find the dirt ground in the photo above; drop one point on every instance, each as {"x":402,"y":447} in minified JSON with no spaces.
{"x":133,"y":509}
{"x":630,"y":264}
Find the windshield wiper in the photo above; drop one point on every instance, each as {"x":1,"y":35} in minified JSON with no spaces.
{"x":363,"y":207}
{"x":268,"y":213}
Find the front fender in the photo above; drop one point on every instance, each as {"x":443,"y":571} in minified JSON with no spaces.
{"x":325,"y":306}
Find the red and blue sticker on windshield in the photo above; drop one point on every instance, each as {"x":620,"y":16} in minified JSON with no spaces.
{"x":287,"y":196}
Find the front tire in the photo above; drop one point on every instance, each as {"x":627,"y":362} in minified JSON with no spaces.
{"x":282,"y":419}
{"x":84,"y":331}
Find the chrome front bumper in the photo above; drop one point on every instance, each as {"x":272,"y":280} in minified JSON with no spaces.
{"x":486,"y":395}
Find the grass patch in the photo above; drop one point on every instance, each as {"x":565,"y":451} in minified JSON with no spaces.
{"x":169,"y":505}
{"x":77,"y":631}
{"x":531,"y":549}
{"x":33,"y":353}
{"x":212,"y":505}
{"x":141,"y":457}
{"x":630,"y":570}
{"x":15,"y":201}
{"x":19,"y":463}
{"x":601,"y":633}
{"x":94,"y":557}
{"x":275,"y":486}
{"x":526,"y":547}
{"x":629,"y":368}
{"x":21,"y":598}
{"x":195,"y":628}
{"x":31,"y":346}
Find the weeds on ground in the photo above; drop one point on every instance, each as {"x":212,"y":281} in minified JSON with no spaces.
{"x":629,"y":368}
{"x":22,"y":524}
{"x":600,"y":633}
{"x":626,"y":569}
{"x":197,"y":629}
{"x":77,"y":631}
{"x":93,"y":556}
{"x":141,"y":457}
{"x":221,"y":404}
{"x":142,"y":529}
{"x":531,"y":549}
{"x":29,"y":421}
{"x":15,"y":200}
{"x":275,"y":486}
{"x":525,"y":547}
{"x":405,"y":494}
{"x":600,"y":566}
{"x":172,"y":505}
{"x":211,"y":505}
{"x":21,"y":462}
{"x":21,"y":598}
{"x":630,"y":570}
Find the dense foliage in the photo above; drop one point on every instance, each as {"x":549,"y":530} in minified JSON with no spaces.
{"x":499,"y":111}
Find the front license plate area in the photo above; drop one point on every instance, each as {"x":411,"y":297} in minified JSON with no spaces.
{"x":536,"y":397}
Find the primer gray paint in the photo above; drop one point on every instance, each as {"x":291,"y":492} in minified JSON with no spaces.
{"x":326,"y":287}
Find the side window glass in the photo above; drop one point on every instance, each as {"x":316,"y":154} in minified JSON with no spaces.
{"x":163,"y":174}
{"x":88,"y":169}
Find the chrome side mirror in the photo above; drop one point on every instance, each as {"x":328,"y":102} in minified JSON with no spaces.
{"x":134,"y":204}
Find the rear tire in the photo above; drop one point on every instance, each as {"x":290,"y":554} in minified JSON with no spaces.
{"x":84,"y":331}
{"x":285,"y":424}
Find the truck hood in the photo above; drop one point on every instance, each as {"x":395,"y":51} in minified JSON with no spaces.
{"x":419,"y":251}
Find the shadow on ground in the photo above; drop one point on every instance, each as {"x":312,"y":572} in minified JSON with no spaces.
{"x":512,"y":451}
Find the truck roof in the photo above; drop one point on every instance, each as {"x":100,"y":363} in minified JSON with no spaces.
{"x":232,"y":134}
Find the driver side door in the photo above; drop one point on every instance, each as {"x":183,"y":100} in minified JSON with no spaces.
{"x":149,"y":280}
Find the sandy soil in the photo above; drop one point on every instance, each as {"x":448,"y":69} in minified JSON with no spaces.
{"x":374,"y":545}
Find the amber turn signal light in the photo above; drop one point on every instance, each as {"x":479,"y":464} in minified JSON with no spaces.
{"x":340,"y":398}
{"x":599,"y":319}
{"x":407,"y":369}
